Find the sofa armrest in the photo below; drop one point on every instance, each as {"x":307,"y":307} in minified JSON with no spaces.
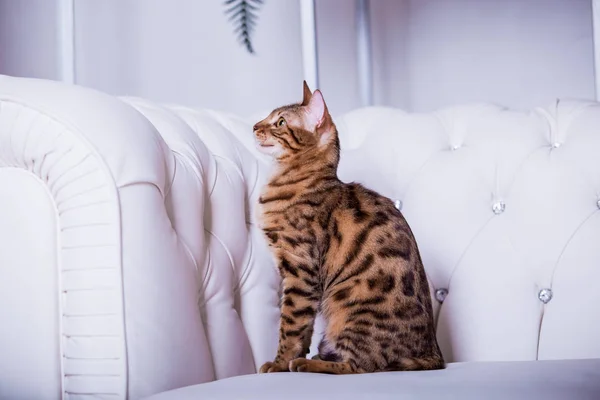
{"x":91,"y":271}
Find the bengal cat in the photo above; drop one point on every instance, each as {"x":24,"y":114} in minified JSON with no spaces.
{"x":342,"y":249}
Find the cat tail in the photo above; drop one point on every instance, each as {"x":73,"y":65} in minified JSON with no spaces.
{"x":417,"y":364}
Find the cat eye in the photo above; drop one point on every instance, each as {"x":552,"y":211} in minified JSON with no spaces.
{"x":281,"y":122}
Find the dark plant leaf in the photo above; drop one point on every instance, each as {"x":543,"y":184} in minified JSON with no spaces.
{"x":243,"y":14}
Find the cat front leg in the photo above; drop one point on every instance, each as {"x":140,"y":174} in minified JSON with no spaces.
{"x":298,"y":310}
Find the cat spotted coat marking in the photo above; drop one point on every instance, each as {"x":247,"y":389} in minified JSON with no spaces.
{"x":341,"y":249}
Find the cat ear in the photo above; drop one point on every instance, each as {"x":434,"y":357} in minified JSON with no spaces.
{"x":314,"y":109}
{"x":317,"y":114}
{"x":307,"y":94}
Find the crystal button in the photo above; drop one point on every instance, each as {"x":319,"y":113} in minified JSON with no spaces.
{"x":440,"y":294}
{"x":545,"y":295}
{"x":498,"y":208}
{"x":598,"y":204}
{"x":398,"y":204}
{"x":556,"y":145}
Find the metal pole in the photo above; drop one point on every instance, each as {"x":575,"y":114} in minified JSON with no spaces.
{"x":66,"y":29}
{"x":596,"y":41}
{"x":309,"y":43}
{"x":363,"y":50}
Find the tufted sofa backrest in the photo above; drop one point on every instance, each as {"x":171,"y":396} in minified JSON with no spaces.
{"x":504,"y":206}
{"x":505,"y":209}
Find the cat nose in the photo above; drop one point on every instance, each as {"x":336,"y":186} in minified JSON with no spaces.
{"x":255,"y":128}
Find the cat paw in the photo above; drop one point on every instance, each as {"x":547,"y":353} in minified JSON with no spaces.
{"x":269,"y":367}
{"x":299,"y":365}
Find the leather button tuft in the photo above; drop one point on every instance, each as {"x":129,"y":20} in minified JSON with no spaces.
{"x":545,"y":295}
{"x":398,"y":204}
{"x":498,"y":207}
{"x":440,"y":295}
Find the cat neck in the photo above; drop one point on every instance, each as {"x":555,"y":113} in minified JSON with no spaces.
{"x":320,"y":164}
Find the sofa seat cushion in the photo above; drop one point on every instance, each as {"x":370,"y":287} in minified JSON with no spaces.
{"x":544,"y":380}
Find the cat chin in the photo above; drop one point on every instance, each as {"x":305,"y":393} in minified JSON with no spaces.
{"x":268,"y":150}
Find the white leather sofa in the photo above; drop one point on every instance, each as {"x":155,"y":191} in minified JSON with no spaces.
{"x":131,"y":264}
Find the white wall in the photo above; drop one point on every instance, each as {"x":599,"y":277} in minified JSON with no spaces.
{"x":433,"y":53}
{"x":28,"y":38}
{"x":519,"y":53}
{"x":427,"y":53}
{"x":184,"y":51}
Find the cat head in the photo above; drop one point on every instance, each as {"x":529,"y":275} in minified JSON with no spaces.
{"x":297,"y":129}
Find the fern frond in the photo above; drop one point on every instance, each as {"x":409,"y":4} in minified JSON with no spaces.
{"x":243,"y":14}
